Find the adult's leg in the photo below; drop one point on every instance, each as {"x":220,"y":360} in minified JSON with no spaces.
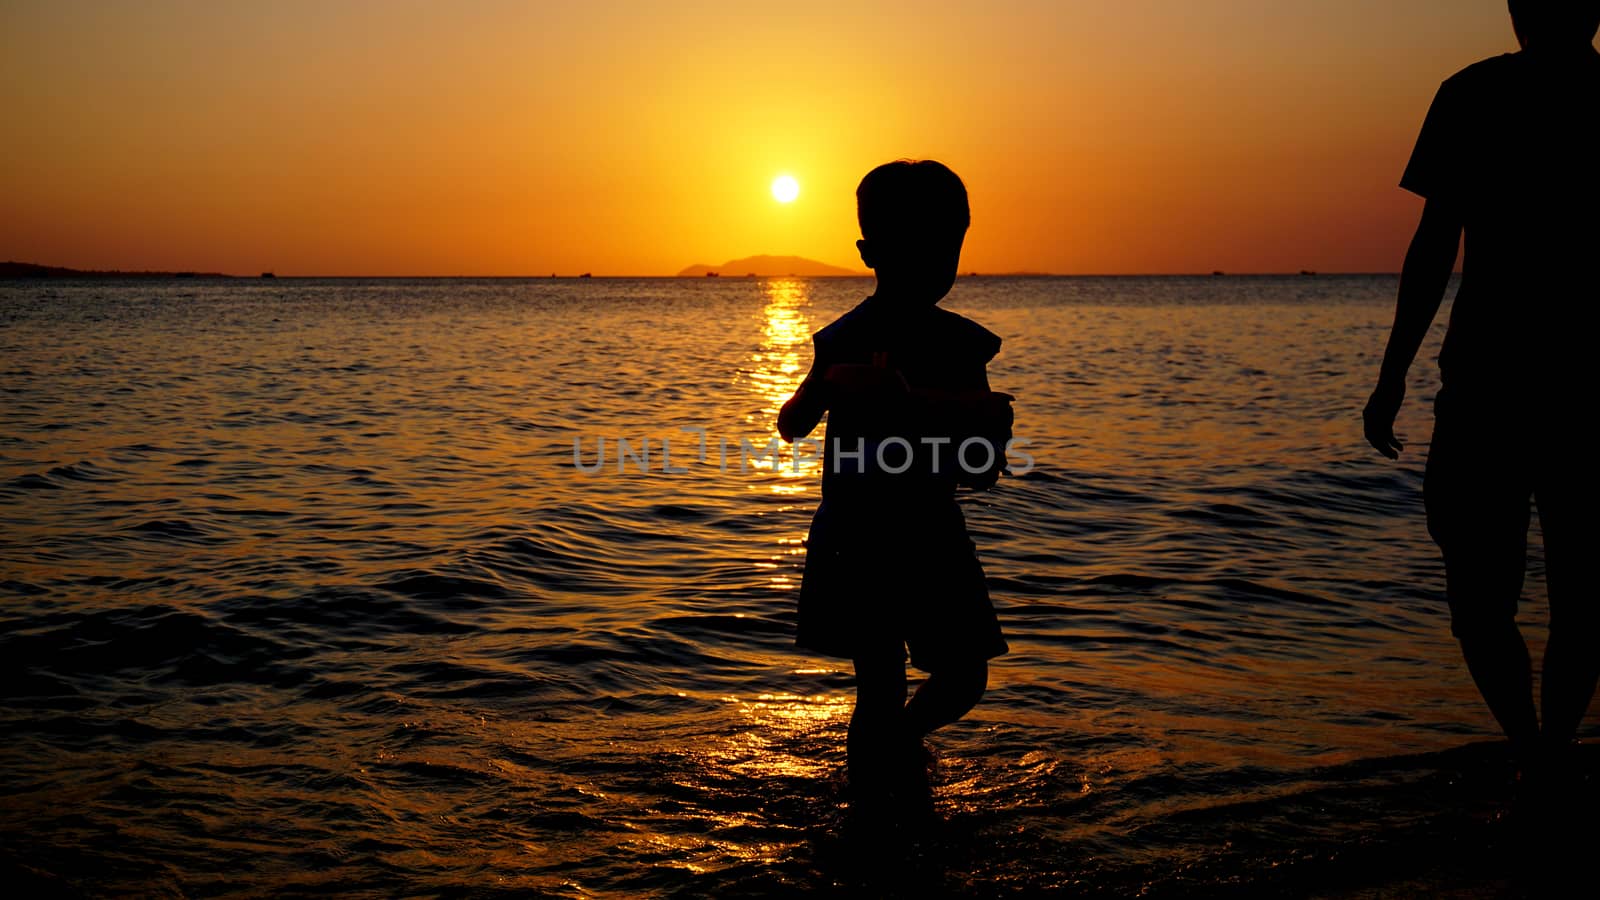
{"x":1497,"y":657}
{"x":1477,"y":495}
{"x":1571,"y":658}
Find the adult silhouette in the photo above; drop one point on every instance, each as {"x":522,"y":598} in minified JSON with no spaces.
{"x":1507,"y":156}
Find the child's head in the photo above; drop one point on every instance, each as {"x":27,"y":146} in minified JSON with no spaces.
{"x":1555,"y":23}
{"x":913,"y":216}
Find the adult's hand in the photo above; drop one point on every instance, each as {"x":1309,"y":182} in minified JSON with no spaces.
{"x":1378,"y":418}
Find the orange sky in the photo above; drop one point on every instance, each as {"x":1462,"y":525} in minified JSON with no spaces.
{"x":397,"y":138}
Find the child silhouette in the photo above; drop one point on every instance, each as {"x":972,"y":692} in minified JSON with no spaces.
{"x":888,"y":562}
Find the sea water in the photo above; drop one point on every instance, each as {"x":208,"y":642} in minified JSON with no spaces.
{"x":313,"y":585}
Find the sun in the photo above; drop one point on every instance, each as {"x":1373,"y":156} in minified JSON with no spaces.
{"x":785,"y":188}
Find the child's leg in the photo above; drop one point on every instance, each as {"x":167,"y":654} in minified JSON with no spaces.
{"x":948,"y":694}
{"x":877,"y":724}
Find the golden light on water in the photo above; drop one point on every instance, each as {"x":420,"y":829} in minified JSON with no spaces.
{"x":776,"y":370}
{"x":782,"y":721}
{"x":779,"y":365}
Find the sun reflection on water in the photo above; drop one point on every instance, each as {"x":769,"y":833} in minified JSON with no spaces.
{"x":776,"y":370}
{"x":778,"y":367}
{"x":779,"y":723}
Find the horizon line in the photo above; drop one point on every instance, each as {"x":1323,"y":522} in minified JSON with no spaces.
{"x":187,"y":274}
{"x":962,"y":277}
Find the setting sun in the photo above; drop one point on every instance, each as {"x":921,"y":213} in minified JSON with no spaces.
{"x":785,"y":188}
{"x":1255,"y":136}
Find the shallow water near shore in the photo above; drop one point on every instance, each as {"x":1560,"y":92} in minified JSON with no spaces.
{"x":303,"y":591}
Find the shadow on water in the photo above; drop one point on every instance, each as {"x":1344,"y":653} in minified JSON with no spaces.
{"x":1440,"y":824}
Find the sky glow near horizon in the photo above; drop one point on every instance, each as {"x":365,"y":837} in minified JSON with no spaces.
{"x":489,"y":138}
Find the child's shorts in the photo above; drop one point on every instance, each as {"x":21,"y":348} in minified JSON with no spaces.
{"x":928,"y":594}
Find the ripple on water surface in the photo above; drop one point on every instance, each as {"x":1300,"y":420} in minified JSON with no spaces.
{"x":303,"y":591}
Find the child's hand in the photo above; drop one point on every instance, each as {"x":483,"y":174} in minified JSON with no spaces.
{"x":852,"y":378}
{"x":993,"y":409}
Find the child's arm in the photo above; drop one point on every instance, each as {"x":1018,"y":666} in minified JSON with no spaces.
{"x":975,"y":411}
{"x":982,"y":406}
{"x":1423,"y":281}
{"x":866,"y":382}
{"x":804,"y":410}
{"x":861,"y":383}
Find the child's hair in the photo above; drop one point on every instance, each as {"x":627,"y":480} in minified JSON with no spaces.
{"x":1561,"y":20}
{"x":912,"y":199}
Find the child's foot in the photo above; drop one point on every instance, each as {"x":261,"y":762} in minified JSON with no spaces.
{"x":897,"y":795}
{"x":930,"y":762}
{"x":913,"y":788}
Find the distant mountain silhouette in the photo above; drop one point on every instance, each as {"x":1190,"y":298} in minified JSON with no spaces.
{"x":34,"y":270}
{"x":768,"y":265}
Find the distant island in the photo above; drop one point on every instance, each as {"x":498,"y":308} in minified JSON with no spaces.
{"x":767,"y":266}
{"x":34,"y":270}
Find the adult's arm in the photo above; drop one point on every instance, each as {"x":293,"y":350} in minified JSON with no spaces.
{"x":1423,"y":280}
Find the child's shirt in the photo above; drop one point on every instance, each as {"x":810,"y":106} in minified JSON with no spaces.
{"x":888,"y":559}
{"x":879,"y":458}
